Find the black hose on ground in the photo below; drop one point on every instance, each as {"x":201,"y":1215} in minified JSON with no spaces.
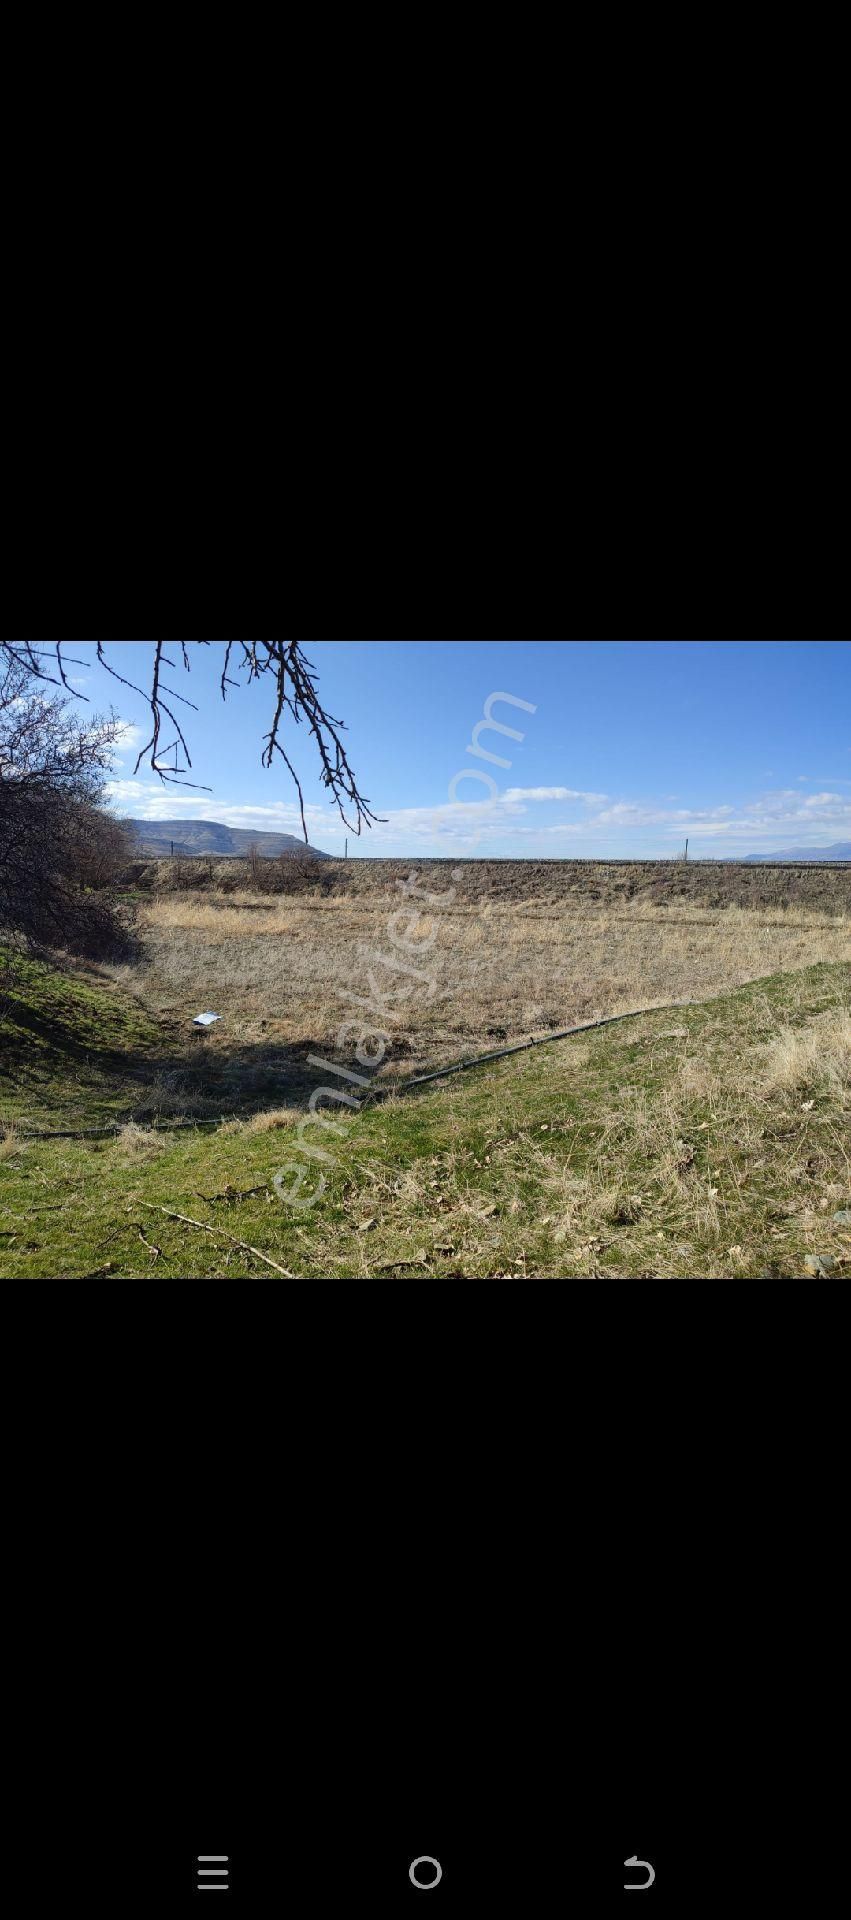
{"x":398,"y":1087}
{"x":522,"y":1046}
{"x":154,"y":1126}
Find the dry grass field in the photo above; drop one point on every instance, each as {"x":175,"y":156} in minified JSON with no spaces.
{"x":511,"y":950}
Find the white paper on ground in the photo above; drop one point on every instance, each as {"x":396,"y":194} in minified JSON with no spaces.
{"x":205,"y":1019}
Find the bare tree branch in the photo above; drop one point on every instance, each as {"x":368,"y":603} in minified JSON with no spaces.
{"x":168,"y":775}
{"x":29,"y":655}
{"x":294,"y":680}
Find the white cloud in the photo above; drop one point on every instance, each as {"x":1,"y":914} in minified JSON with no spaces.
{"x":152,"y":800}
{"x":632,"y":813}
{"x":129,"y":739}
{"x":504,"y":825}
{"x":553,"y":793}
{"x":775,"y":806}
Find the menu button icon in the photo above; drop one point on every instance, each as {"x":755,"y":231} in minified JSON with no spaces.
{"x":212,"y":1873}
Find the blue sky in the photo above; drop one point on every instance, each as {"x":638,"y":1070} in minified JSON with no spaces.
{"x":744,"y":746}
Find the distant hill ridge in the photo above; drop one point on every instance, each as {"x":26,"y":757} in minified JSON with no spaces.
{"x":841,"y":851}
{"x":157,"y":837}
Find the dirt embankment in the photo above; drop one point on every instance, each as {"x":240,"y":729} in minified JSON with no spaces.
{"x":546,"y":882}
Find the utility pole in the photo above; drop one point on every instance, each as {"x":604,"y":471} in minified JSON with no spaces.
{"x":346,"y":854}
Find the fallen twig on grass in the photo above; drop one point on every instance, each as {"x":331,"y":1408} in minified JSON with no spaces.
{"x":156,"y":1251}
{"x":219,"y":1233}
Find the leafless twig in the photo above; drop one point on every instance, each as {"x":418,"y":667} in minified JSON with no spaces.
{"x":159,"y":706}
{"x":218,"y":1232}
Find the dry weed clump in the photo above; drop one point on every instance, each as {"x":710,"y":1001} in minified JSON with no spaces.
{"x":10,"y":1140}
{"x":136,"y":1143}
{"x":264,"y":1122}
{"x":803,"y":1059}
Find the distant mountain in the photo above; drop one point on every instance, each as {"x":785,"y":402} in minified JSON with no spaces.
{"x":841,"y":851}
{"x":210,"y":836}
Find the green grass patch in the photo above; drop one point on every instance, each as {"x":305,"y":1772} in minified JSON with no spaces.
{"x":72,"y":1050}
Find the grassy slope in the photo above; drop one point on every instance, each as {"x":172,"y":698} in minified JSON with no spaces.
{"x":630,"y":1152}
{"x":72,"y":1052}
